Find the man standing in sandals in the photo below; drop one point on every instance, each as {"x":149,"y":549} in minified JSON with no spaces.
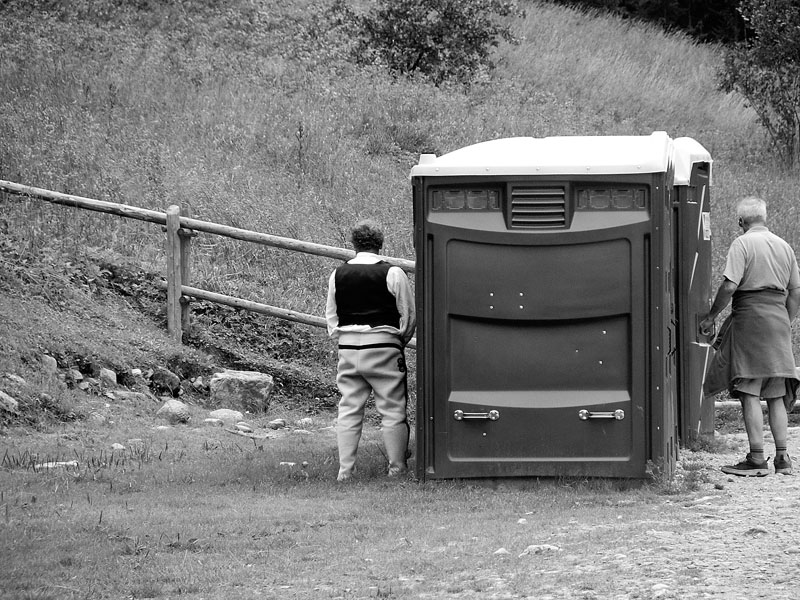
{"x":370,"y":312}
{"x":754,"y":359}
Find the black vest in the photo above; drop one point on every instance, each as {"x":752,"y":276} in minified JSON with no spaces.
{"x":362,"y":297}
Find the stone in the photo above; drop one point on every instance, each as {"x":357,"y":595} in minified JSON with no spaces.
{"x":117,"y":446}
{"x":214,"y":422}
{"x":174,"y":411}
{"x":107,"y":376}
{"x":97,"y":418}
{"x":244,"y":428}
{"x":539,"y":549}
{"x":277,"y":424}
{"x":49,"y":364}
{"x":8,"y":404}
{"x":228,"y":416}
{"x":248,"y":390}
{"x":163,"y":380}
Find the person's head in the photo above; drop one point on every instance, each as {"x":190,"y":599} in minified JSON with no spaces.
{"x":367,"y":236}
{"x":751,"y":211}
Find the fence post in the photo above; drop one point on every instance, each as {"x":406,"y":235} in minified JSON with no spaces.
{"x":186,"y":236}
{"x":174,"y":270}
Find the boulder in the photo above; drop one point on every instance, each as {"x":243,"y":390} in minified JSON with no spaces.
{"x":228,"y":417}
{"x":174,"y":411}
{"x":107,"y":376}
{"x":8,"y":404}
{"x":49,"y":364}
{"x":248,"y":390}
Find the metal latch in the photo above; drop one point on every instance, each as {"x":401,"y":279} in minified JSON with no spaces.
{"x":585,"y":415}
{"x":492,"y":415}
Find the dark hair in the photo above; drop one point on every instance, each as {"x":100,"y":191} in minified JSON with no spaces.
{"x":366,"y":235}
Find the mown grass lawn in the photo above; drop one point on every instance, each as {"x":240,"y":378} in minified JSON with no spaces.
{"x":197,"y":512}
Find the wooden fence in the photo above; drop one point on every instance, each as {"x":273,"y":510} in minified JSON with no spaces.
{"x":180,"y":229}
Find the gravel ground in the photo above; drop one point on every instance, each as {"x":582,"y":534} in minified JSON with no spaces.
{"x":739,"y":538}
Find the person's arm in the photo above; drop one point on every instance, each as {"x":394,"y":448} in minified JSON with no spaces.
{"x":331,"y":314}
{"x":793,"y":303}
{"x":399,"y":286}
{"x":724,"y":295}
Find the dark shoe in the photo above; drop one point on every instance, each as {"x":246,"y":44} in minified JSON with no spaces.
{"x":748,"y":468}
{"x":783,"y":466}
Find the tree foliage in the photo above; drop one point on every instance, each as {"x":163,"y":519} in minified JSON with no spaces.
{"x":706,"y":20}
{"x":440,"y":39}
{"x":765,"y":69}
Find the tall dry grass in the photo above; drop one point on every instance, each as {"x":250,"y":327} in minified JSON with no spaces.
{"x":249,"y":116}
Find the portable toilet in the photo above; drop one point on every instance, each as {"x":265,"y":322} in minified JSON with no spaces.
{"x":547,"y":275}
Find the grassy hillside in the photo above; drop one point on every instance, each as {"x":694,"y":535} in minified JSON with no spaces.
{"x":249,"y":114}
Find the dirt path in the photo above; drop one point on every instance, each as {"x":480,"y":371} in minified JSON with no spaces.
{"x":739,"y":539}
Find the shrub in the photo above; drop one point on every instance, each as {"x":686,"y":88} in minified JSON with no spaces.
{"x":440,"y":39}
{"x":765,"y":69}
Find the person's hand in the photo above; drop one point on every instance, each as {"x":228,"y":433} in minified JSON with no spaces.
{"x":707,"y":326}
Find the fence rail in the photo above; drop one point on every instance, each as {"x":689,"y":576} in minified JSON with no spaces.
{"x":179,"y":230}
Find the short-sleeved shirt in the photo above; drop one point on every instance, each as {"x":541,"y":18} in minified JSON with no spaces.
{"x":759,"y":259}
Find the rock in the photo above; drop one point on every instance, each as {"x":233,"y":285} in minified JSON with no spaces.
{"x":501,"y":551}
{"x":49,"y":364}
{"x":107,"y":376}
{"x":15,"y":378}
{"x":249,"y":390}
{"x":244,"y":427}
{"x":305,"y":423}
{"x":165,"y":381}
{"x":136,"y":372}
{"x":75,"y":376}
{"x":118,"y":447}
{"x":227,"y":416}
{"x":95,"y":417}
{"x":8,"y":404}
{"x":174,"y":411}
{"x":277,"y":424}
{"x":539,"y":549}
{"x":214,"y":422}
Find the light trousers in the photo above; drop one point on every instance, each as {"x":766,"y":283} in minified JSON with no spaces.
{"x":378,"y":369}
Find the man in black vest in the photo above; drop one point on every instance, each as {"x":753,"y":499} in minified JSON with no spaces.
{"x":370,"y":312}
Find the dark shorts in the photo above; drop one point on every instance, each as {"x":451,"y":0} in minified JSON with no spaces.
{"x":767,"y":387}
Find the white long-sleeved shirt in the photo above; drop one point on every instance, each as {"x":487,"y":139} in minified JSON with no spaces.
{"x":398,"y":285}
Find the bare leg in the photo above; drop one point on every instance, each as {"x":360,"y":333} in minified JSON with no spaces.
{"x":753,"y":424}
{"x":778,"y":421}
